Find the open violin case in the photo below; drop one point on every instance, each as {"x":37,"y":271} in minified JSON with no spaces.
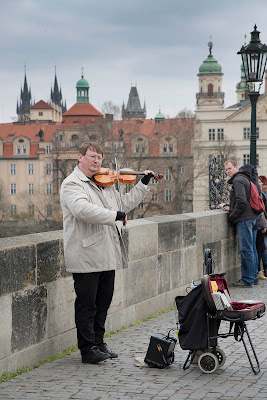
{"x":219,"y":301}
{"x":200,"y":313}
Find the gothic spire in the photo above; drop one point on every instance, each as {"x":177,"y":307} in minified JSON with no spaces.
{"x":23,"y":106}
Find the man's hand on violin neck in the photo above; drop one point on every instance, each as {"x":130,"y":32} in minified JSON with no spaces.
{"x":147,"y":176}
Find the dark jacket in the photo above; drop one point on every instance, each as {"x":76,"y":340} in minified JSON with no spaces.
{"x":240,"y":209}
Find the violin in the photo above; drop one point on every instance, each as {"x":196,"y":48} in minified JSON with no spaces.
{"x":107,"y":176}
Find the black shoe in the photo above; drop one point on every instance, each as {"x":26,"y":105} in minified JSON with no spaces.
{"x":104,"y":349}
{"x":256,"y":281}
{"x":94,"y":356}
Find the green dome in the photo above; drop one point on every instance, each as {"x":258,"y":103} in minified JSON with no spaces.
{"x":210,"y":66}
{"x":159,"y":116}
{"x":242,"y":85}
{"x":82,"y":83}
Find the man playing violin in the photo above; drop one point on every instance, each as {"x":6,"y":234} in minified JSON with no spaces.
{"x":93,"y":246}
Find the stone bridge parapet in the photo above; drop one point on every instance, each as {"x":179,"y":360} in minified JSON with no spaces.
{"x":165,"y":255}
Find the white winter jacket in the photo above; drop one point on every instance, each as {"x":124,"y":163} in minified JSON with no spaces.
{"x":92,"y":238}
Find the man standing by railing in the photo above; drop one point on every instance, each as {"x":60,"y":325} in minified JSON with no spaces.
{"x":241,"y":214}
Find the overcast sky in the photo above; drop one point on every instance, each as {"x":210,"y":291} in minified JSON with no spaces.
{"x":157,"y":44}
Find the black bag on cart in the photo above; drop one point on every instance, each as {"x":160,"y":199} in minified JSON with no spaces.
{"x":193,"y":332}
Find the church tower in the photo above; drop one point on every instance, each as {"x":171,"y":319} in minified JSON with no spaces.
{"x":56,"y":97}
{"x":24,"y":104}
{"x":133,"y":109}
{"x":82,"y":88}
{"x":210,"y":74}
{"x":242,"y":88}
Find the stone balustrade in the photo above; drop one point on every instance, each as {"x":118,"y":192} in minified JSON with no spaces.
{"x":165,"y":254}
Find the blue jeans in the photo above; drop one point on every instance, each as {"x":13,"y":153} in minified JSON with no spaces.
{"x":247,"y":247}
{"x":264,"y":256}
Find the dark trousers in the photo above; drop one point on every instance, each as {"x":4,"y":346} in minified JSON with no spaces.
{"x":260,"y":245}
{"x":94,"y":293}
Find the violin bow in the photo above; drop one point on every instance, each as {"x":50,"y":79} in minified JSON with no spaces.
{"x":119,"y":188}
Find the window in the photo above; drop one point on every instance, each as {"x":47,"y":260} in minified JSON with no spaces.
{"x":49,"y":188}
{"x":18,"y":149}
{"x":12,"y":169}
{"x":246,"y":133}
{"x":211,"y":134}
{"x":246,"y":158}
{"x":220,"y":158}
{"x":181,"y":169}
{"x":30,"y":169}
{"x":154,"y":197}
{"x":13,"y":210}
{"x":48,"y":149}
{"x":31,"y":210}
{"x":30,"y":188}
{"x":171,"y":147}
{"x":48,"y":169}
{"x":13,"y":188}
{"x":210,"y":89}
{"x":165,"y":147}
{"x":168,"y":174}
{"x":41,"y":113}
{"x":141,"y":205}
{"x":220,"y":134}
{"x":49,"y":210}
{"x":140,"y":148}
{"x":154,"y":181}
{"x":113,"y":147}
{"x":24,"y":149}
{"x":168,"y":195}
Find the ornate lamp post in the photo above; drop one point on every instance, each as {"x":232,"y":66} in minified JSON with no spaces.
{"x":254,"y":57}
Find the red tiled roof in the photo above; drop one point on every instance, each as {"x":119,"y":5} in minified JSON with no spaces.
{"x":12,"y":130}
{"x":8,"y":150}
{"x":85,"y":109}
{"x":179,"y":127}
{"x":41,"y":105}
{"x":79,"y":121}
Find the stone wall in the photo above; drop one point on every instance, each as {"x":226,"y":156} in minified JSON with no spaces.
{"x":165,"y":254}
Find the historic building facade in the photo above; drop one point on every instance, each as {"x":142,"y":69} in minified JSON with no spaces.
{"x":224,"y":132}
{"x":163,"y":145}
{"x":27,"y":111}
{"x":40,"y":150}
{"x":133,"y":110}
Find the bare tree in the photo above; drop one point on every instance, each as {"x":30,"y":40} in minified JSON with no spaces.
{"x":42,"y":206}
{"x":3,"y":202}
{"x":108,"y":107}
{"x":185,"y":113}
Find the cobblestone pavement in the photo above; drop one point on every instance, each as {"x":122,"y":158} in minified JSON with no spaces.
{"x":119,"y":378}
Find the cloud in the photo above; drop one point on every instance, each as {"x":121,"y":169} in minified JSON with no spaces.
{"x":158,"y":44}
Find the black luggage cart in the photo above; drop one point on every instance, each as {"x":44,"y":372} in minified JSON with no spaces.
{"x":200,"y":313}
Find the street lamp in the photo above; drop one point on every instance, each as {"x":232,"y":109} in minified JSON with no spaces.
{"x":254,"y":57}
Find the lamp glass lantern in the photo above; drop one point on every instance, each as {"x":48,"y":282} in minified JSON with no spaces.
{"x":254,"y":58}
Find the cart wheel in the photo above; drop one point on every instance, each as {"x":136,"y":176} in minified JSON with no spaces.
{"x":220,"y":354}
{"x":208,"y":363}
{"x":195,"y":356}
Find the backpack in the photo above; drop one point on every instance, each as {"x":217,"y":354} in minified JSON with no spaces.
{"x":255,"y":200}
